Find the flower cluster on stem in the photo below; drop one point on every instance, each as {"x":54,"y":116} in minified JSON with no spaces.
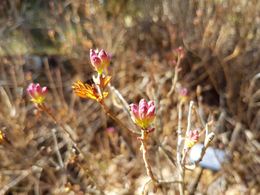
{"x":96,"y":91}
{"x":37,"y":93}
{"x":99,"y":60}
{"x":191,"y":139}
{"x":143,"y":114}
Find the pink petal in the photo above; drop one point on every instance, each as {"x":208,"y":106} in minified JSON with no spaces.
{"x":92,"y":53}
{"x":194,"y":135}
{"x":111,"y":129}
{"x":95,"y":60}
{"x":151,"y":103}
{"x":183,"y":91}
{"x":104,"y":57}
{"x":30,"y":89}
{"x":134,"y":110}
{"x":44,"y":90}
{"x":38,"y":88}
{"x":151,"y":111}
{"x":143,"y":108}
{"x":102,"y":54}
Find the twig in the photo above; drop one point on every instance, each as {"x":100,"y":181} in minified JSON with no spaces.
{"x":123,"y":102}
{"x":196,"y":181}
{"x":179,"y":134}
{"x":23,"y":175}
{"x":178,"y":155}
{"x":189,"y":118}
{"x":208,"y":140}
{"x":167,"y":182}
{"x":57,"y":148}
{"x":160,"y":182}
{"x":14,"y":182}
{"x":167,"y":155}
{"x":112,"y":115}
{"x":144,"y":187}
{"x":121,"y":98}
{"x":44,"y":108}
{"x":143,"y":140}
{"x":175,"y":78}
{"x":234,"y":137}
{"x":50,"y":78}
{"x":181,"y":155}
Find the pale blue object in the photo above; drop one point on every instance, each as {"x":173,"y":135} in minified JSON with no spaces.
{"x":212,"y":159}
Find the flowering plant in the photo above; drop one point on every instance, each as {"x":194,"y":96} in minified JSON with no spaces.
{"x":99,"y":60}
{"x":37,"y":93}
{"x":191,"y":139}
{"x":143,"y":114}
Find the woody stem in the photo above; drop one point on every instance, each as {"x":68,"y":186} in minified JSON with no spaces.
{"x":118,"y":121}
{"x":145,"y":156}
{"x":179,"y":152}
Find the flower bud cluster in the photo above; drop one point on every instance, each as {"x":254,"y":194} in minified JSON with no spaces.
{"x":99,"y":60}
{"x":191,"y":139}
{"x":143,"y":114}
{"x":37,"y":93}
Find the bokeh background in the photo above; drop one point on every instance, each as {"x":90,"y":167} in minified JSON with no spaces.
{"x":49,"y":41}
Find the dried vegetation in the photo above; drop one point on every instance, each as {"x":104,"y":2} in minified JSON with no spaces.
{"x":48,"y":42}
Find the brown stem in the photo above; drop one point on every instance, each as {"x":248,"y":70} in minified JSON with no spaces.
{"x":118,"y":121}
{"x":44,"y":108}
{"x":145,"y":156}
{"x":179,"y":152}
{"x":175,"y":78}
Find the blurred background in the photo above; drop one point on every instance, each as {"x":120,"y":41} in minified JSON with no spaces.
{"x":48,"y":41}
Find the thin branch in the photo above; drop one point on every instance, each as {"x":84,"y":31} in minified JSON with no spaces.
{"x":143,"y":140}
{"x":189,"y":117}
{"x":179,"y":141}
{"x":145,"y":187}
{"x":167,"y":155}
{"x":175,"y":78}
{"x":179,"y":133}
{"x":118,"y":121}
{"x":121,"y":98}
{"x":14,"y":182}
{"x":196,"y":181}
{"x":57,"y":148}
{"x":168,"y":182}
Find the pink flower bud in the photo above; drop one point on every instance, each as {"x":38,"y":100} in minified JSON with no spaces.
{"x":143,"y":108}
{"x":194,"y":135}
{"x":37,"y":93}
{"x":110,"y":129}
{"x":143,"y":114}
{"x":184,"y":91}
{"x":183,"y":94}
{"x":134,"y":110}
{"x":192,"y":138}
{"x":104,"y":58}
{"x":151,"y":110}
{"x":92,"y":53}
{"x":180,"y":52}
{"x":95,"y":61}
{"x":99,"y":60}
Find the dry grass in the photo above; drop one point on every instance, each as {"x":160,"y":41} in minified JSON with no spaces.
{"x":50,"y":45}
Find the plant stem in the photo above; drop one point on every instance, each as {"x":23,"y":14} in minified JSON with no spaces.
{"x":148,"y":168}
{"x":179,"y":152}
{"x":175,"y":78}
{"x":118,"y":121}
